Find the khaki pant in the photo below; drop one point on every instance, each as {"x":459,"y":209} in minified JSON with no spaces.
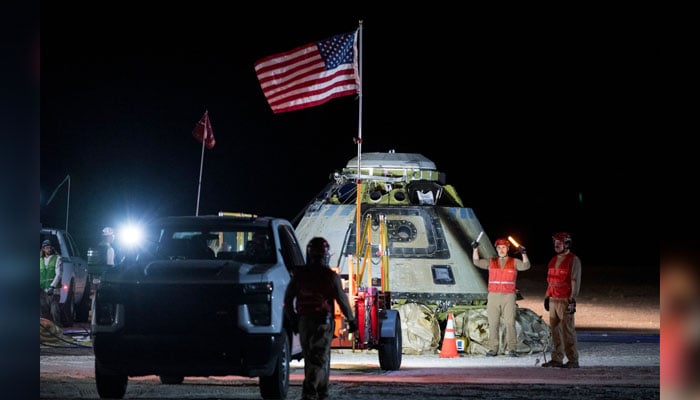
{"x":501,"y":305}
{"x":563,"y":331}
{"x":316,"y":335}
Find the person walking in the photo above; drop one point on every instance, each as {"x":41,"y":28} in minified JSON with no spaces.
{"x":563,"y":284}
{"x":500,"y":303}
{"x":50,"y":272}
{"x":310,"y":302}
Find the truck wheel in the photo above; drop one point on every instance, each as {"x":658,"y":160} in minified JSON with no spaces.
{"x":109,"y":385}
{"x":390,"y":349}
{"x":68,"y":309}
{"x":276,"y":385}
{"x":171,"y":379}
{"x":82,"y":312}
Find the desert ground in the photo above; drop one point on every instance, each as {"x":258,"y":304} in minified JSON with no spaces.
{"x":611,"y":298}
{"x":609,"y":301}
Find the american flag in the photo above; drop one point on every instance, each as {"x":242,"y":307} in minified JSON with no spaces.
{"x":310,"y":75}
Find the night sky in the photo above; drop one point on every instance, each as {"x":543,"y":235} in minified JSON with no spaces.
{"x":527,"y":115}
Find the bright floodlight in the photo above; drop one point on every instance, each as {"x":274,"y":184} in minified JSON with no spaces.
{"x":131,"y":235}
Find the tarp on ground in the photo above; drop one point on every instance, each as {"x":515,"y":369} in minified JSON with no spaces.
{"x":421,"y":331}
{"x":533,"y":333}
{"x":52,"y":335}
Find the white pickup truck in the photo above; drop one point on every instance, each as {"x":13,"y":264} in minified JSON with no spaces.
{"x":204,"y":297}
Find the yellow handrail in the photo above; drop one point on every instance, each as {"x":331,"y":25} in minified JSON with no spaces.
{"x":384,"y":253}
{"x":365,"y":252}
{"x":365,"y":249}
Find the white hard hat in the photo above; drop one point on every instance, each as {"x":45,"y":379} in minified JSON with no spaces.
{"x":107,"y":231}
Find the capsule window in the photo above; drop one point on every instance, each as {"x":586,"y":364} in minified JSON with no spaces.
{"x":442,"y":275}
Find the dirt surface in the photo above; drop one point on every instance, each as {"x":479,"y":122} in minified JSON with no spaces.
{"x":609,"y":299}
{"x":195,"y":388}
{"x":610,"y":303}
{"x":611,"y":371}
{"x":619,"y":370}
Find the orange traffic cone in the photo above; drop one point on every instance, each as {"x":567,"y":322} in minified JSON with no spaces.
{"x":449,"y":343}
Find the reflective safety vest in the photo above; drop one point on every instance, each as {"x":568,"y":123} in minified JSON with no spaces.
{"x":47,"y":272}
{"x":314,"y":290}
{"x":502,"y":280}
{"x":559,"y":279}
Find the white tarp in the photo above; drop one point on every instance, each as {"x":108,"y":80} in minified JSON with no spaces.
{"x":420,"y":329}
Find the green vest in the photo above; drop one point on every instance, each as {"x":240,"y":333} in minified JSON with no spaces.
{"x":47,"y":272}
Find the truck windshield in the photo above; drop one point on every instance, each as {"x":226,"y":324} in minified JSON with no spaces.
{"x":241,"y":245}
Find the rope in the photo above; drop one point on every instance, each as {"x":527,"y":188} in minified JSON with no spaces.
{"x":51,"y":335}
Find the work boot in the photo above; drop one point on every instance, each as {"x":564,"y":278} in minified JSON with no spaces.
{"x":571,"y":364}
{"x":512,"y":354}
{"x":553,"y":363}
{"x":491,"y":353}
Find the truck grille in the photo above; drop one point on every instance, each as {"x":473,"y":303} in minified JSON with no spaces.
{"x":186,"y":308}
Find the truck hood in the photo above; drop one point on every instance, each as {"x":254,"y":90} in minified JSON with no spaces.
{"x":190,"y":271}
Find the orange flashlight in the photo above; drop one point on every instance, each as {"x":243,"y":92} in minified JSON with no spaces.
{"x":510,"y":239}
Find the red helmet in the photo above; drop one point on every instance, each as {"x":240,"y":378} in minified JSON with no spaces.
{"x":318,"y":251}
{"x":502,"y":241}
{"x":562,"y":237}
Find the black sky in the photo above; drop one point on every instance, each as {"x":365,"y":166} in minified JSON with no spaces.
{"x":528,"y":114}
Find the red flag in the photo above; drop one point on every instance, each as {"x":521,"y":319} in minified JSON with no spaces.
{"x":310,"y":75}
{"x":203,"y":131}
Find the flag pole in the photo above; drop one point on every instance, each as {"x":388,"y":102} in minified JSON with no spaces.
{"x":201,"y":162}
{"x":66,"y":179}
{"x":358,"y":140}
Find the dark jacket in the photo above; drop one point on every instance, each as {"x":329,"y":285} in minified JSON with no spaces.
{"x":316,"y":288}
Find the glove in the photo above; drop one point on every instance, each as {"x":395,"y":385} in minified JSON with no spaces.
{"x":475,"y":244}
{"x":522,"y":249}
{"x":49,"y":291}
{"x":546,"y":303}
{"x":572,"y":306}
{"x":352,"y":325}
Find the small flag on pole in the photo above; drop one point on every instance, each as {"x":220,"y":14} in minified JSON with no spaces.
{"x":203,"y":131}
{"x":311,"y":74}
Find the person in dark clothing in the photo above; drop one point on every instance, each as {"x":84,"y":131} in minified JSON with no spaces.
{"x":259,"y":249}
{"x":310,"y":301}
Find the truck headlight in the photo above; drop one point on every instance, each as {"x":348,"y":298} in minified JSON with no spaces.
{"x":106,"y":300}
{"x":258,"y":288}
{"x":258,"y":302}
{"x":105,"y":313}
